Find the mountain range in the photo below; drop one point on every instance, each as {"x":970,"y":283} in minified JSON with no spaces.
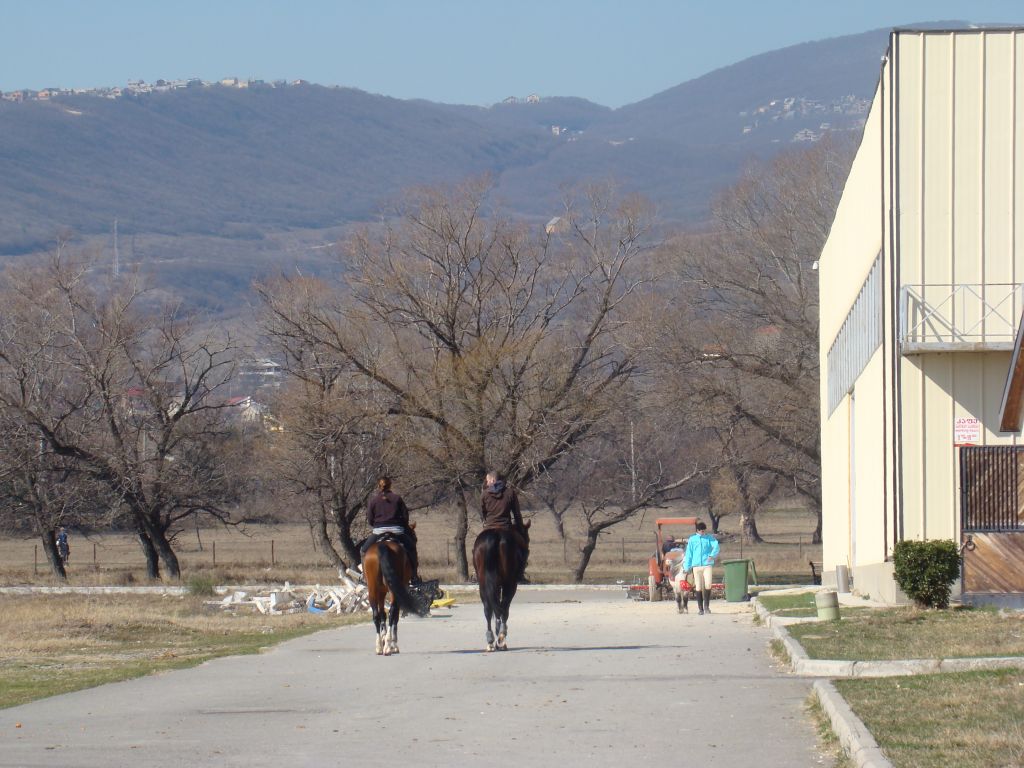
{"x":215,"y":184}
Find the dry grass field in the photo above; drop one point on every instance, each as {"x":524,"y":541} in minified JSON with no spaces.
{"x":276,"y":553}
{"x":58,"y":643}
{"x":913,"y":633}
{"x":962,"y":720}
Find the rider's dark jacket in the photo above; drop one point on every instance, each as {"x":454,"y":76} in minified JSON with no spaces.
{"x":500,"y":510}
{"x":386,"y":509}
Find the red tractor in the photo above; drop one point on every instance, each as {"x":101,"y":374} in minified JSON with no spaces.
{"x":664,"y":565}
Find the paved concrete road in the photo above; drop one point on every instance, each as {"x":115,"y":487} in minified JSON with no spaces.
{"x":591,"y":680}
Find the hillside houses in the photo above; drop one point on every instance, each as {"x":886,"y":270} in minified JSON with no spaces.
{"x":798,"y":107}
{"x":139,"y":87}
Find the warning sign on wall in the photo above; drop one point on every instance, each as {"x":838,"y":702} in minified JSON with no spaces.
{"x":966,"y":431}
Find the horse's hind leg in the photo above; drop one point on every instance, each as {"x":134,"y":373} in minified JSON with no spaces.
{"x":502,"y":627}
{"x":488,"y":614}
{"x":378,"y":624}
{"x":503,"y":608}
{"x":391,"y":641}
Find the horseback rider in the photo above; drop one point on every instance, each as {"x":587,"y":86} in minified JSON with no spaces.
{"x":387,"y":514}
{"x":499,"y":510}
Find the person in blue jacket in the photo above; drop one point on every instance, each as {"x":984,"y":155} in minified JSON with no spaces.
{"x":701,"y":551}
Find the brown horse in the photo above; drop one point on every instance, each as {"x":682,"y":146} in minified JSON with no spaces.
{"x":499,"y":559}
{"x":387,"y":571}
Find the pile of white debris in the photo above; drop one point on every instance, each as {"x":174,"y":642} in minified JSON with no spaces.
{"x":350,"y":596}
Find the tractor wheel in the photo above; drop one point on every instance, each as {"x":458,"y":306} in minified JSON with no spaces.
{"x":653,"y":589}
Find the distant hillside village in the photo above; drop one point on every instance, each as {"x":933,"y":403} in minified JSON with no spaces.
{"x":793,"y":107}
{"x":136,"y":87}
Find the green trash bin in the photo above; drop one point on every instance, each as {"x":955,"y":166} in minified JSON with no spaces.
{"x":737,"y":581}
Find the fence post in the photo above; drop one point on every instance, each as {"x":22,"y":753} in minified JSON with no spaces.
{"x":95,"y":563}
{"x":271,"y":552}
{"x":448,"y":551}
{"x":623,"y":549}
{"x":35,"y":559}
{"x":214,"y":553}
{"x":800,"y":551}
{"x":565,"y":556}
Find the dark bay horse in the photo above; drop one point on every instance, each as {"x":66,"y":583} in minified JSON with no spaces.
{"x":498,"y":559}
{"x":387,"y":571}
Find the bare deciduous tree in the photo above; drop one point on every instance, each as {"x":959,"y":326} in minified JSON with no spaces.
{"x":745,"y":330}
{"x":329,"y":446}
{"x":129,"y":397}
{"x":487,"y":344}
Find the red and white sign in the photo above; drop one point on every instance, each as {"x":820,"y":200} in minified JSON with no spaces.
{"x":966,"y":431}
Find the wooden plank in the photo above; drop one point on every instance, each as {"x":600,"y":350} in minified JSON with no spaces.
{"x":996,"y":564}
{"x":1020,"y":489}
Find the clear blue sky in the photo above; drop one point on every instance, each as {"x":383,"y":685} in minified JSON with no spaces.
{"x":459,"y":51}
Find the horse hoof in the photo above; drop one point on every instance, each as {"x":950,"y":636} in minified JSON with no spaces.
{"x":490,"y":647}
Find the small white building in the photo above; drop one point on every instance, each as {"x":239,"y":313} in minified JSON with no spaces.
{"x":921,"y":295}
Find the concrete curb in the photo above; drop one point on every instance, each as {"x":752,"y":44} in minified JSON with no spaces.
{"x":805,"y":666}
{"x":771,"y":620}
{"x":854,"y":736}
{"x":168,"y":590}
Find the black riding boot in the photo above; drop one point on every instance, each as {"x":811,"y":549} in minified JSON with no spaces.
{"x":414,"y":562}
{"x":707,"y":601}
{"x":368,"y":542}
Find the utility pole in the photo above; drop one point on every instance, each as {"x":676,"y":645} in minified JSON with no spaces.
{"x":117,"y":260}
{"x":632,"y":464}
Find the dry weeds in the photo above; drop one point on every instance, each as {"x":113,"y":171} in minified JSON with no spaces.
{"x":828,"y":742}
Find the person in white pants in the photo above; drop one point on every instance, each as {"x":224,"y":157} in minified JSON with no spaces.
{"x":701,"y":551}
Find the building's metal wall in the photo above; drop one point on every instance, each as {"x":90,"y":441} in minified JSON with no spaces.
{"x":945,"y":139}
{"x":958,"y":117}
{"x":854,"y":242}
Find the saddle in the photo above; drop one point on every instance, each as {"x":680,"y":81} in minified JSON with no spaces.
{"x":397,"y":538}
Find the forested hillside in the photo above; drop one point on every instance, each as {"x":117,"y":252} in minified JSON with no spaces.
{"x":211,"y":185}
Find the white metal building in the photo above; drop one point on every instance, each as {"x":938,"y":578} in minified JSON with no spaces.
{"x":921,"y":292}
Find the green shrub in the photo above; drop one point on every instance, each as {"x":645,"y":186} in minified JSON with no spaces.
{"x":201,"y":585}
{"x":926,"y":570}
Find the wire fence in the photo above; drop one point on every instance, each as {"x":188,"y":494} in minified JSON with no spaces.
{"x":123,"y":553}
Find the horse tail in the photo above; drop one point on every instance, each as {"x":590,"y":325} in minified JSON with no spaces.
{"x":489,"y":564}
{"x":395,"y":583}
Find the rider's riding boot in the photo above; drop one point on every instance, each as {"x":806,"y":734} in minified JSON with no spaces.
{"x":414,"y":561}
{"x":365,"y":544}
{"x":707,"y":601}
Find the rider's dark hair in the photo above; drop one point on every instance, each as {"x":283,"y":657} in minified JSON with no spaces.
{"x":701,"y":526}
{"x":383,"y":483}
